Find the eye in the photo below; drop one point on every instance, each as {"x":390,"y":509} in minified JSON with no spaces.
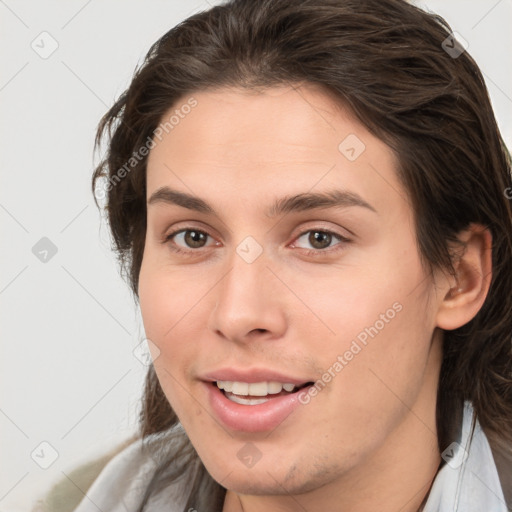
{"x":319,"y":239}
{"x":188,"y":239}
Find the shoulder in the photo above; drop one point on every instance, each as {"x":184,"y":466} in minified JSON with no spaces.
{"x":118,"y":482}
{"x":469,"y":481}
{"x":67,"y":493}
{"x":502,"y":453}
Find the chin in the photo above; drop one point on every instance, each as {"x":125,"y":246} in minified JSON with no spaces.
{"x":267,"y":481}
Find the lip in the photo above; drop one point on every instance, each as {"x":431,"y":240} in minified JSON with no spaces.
{"x":251,"y":418}
{"x":253,"y":375}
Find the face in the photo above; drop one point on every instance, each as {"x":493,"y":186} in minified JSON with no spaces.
{"x":281,"y":250}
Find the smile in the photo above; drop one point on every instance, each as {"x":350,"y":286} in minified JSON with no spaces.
{"x":257,"y":401}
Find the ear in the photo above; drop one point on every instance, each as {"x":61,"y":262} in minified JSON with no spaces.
{"x":468,"y":288}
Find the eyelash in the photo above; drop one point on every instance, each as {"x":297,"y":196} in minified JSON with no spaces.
{"x":308,"y":252}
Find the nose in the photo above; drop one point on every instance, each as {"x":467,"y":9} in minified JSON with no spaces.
{"x":249,"y":303}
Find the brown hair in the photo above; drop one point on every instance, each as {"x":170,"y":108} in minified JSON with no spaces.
{"x":384,"y":59}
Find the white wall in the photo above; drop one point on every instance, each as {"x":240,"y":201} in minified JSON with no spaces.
{"x":68,"y":374}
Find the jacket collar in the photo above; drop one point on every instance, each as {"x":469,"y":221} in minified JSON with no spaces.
{"x":469,"y":480}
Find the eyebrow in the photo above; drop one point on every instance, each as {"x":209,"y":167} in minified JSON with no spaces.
{"x":316,"y":200}
{"x":298,"y":203}
{"x":166,"y":195}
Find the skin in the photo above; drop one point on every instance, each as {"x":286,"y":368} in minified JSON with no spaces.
{"x":368,"y":440}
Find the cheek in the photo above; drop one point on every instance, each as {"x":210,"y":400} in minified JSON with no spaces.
{"x":164,"y":306}
{"x":167,"y":296}
{"x":362,"y":298}
{"x":173,"y":305}
{"x":380,"y":324}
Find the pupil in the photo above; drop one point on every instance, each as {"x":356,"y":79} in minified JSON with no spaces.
{"x":194,"y":238}
{"x":320,"y":239}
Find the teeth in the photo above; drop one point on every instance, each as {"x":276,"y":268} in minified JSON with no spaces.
{"x":240,"y":388}
{"x":274,"y":387}
{"x":254,"y":388}
{"x":247,"y":401}
{"x":227,"y":386}
{"x":258,"y":389}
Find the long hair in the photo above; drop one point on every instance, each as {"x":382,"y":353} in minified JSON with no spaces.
{"x":388,"y":62}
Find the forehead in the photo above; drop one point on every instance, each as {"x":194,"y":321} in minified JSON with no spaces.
{"x":287,"y":138}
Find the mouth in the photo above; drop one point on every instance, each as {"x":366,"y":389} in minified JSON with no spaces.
{"x":257,"y":393}
{"x":256,"y":401}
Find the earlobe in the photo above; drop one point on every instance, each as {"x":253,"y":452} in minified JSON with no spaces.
{"x":469,"y":287}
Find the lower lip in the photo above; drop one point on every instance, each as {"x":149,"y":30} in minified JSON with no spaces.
{"x":252,"y":418}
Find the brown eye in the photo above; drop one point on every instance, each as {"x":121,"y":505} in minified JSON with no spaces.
{"x":195,"y":239}
{"x":188,"y":239}
{"x":320,"y":239}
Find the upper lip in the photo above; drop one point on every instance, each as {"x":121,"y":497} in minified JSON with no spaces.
{"x":252,"y":375}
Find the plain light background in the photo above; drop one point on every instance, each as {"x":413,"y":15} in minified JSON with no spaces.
{"x":69,"y":377}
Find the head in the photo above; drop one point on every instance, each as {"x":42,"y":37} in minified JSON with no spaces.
{"x":314,"y":189}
